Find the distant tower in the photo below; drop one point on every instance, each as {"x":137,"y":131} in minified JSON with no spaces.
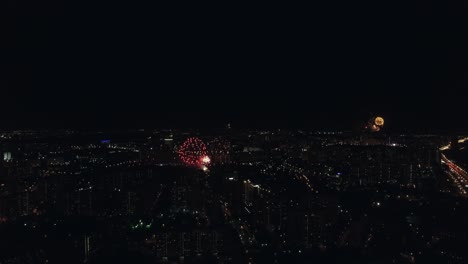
{"x":7,"y":156}
{"x":23,"y":203}
{"x":247,"y":192}
{"x":130,"y":203}
{"x":88,"y":246}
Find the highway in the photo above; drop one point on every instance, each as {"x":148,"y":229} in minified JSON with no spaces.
{"x":457,"y":174}
{"x":448,"y":146}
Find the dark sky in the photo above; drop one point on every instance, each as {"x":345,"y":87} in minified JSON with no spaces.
{"x":125,"y":64}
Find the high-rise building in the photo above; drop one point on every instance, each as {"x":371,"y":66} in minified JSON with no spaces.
{"x":89,"y":246}
{"x":7,"y":156}
{"x":23,"y":203}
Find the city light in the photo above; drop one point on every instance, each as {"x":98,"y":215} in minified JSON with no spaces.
{"x":149,"y":189}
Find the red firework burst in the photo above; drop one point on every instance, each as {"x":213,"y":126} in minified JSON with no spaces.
{"x":193,"y":152}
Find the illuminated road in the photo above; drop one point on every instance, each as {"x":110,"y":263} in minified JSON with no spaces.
{"x":460,"y":141}
{"x":458,"y":175}
{"x":298,"y":173}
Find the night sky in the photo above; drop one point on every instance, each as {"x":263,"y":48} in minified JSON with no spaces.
{"x":118,"y":64}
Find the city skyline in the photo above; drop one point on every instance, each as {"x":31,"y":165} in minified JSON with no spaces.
{"x":232,"y":196}
{"x":171,"y":132}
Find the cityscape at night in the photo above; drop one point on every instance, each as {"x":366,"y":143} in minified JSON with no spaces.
{"x":172,"y":132}
{"x":232,"y":196}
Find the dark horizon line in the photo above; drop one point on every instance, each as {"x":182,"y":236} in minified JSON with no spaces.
{"x":407,"y":131}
